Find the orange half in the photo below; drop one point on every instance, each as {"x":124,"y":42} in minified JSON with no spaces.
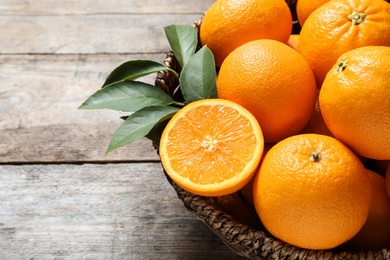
{"x":212,"y":147}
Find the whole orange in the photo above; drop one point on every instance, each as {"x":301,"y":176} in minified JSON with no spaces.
{"x":228,"y":24}
{"x":272,"y":81}
{"x":339,"y":26}
{"x":306,"y":7}
{"x":375,"y":234}
{"x":355,"y":101}
{"x":312,"y":191}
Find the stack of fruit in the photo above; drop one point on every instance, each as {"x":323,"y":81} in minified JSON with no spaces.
{"x":322,"y":101}
{"x":299,"y":123}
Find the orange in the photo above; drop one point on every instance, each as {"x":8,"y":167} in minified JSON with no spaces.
{"x":306,"y":7}
{"x":339,"y":26}
{"x":293,"y":41}
{"x":312,"y":191}
{"x":375,"y":233}
{"x":239,"y":207}
{"x":355,"y":101}
{"x":272,"y":81}
{"x":388,"y":179}
{"x":211,"y":147}
{"x":316,"y":124}
{"x":228,"y":24}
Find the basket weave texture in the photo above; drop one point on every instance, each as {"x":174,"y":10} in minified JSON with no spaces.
{"x":240,"y":238}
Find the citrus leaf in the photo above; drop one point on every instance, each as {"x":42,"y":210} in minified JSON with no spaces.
{"x":134,"y":69}
{"x":156,"y":132}
{"x":198,"y":77}
{"x":139,"y":124}
{"x":127,"y":96}
{"x":183,"y":40}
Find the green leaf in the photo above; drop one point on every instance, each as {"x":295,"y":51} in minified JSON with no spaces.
{"x":198,"y":77}
{"x":139,"y":124}
{"x":156,"y":132}
{"x":135,"y":69}
{"x":127,"y":96}
{"x":183,"y":40}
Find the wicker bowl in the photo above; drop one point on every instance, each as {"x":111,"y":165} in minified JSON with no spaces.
{"x":245,"y":240}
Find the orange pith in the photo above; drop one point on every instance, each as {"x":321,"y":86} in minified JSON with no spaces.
{"x":211,"y":147}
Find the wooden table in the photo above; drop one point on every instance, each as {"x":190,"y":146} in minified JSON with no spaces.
{"x":60,"y":196}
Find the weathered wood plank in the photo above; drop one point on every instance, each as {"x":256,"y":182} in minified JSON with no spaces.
{"x":101,"y":33}
{"x":111,"y":211}
{"x":39,"y":120}
{"x":69,"y":143}
{"x":21,"y":7}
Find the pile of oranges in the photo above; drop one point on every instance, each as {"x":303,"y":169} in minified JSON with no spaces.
{"x":302,"y":120}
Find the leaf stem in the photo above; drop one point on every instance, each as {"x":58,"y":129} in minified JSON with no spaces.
{"x":174,"y":72}
{"x":177,"y":103}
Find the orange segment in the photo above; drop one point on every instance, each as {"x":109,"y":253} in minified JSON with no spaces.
{"x":212,"y":147}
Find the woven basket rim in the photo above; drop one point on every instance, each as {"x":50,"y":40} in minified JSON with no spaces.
{"x":240,"y":238}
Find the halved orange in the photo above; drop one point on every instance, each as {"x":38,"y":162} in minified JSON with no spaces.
{"x":212,"y":147}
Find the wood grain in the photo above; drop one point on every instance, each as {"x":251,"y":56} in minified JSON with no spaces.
{"x":70,"y":7}
{"x":88,"y":34}
{"x":60,"y":196}
{"x":41,"y":122}
{"x":98,"y":212}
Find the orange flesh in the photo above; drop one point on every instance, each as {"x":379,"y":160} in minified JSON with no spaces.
{"x":206,"y":154}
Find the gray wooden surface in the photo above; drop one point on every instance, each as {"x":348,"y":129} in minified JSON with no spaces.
{"x":60,"y":196}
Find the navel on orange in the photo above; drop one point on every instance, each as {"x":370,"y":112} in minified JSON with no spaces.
{"x":228,"y":24}
{"x":339,"y":26}
{"x":211,"y":147}
{"x":355,"y":101}
{"x":312,"y":191}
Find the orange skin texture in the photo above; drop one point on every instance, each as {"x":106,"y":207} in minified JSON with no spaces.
{"x":274,"y":83}
{"x":355,"y":102}
{"x":375,"y":234}
{"x":309,"y":204}
{"x":293,"y":41}
{"x":306,"y":7}
{"x":328,"y":33}
{"x":234,"y":206}
{"x":317,"y":124}
{"x":228,"y":24}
